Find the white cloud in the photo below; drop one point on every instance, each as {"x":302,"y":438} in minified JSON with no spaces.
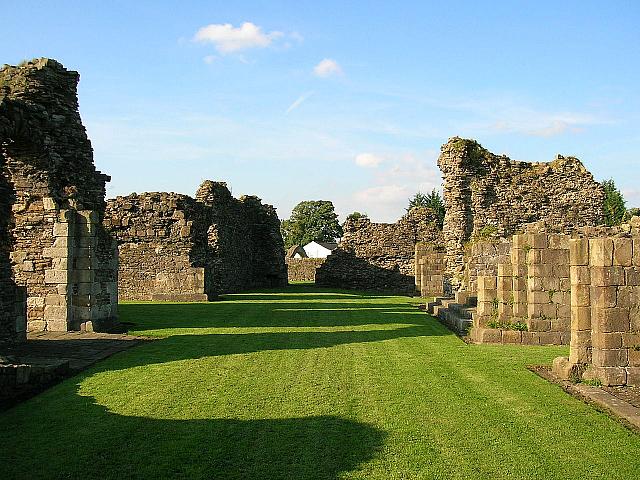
{"x":209,"y":59}
{"x":327,"y":67}
{"x":368,"y":160}
{"x":228,"y":39}
{"x":299,"y":101}
{"x":382,"y":194}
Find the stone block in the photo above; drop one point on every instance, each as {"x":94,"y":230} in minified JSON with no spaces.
{"x":607,"y":340}
{"x":630,"y":340}
{"x":511,"y":336}
{"x":612,"y":376}
{"x":530,"y":338}
{"x":581,"y":318}
{"x":579,"y":251}
{"x":55,"y":276}
{"x":55,"y":312}
{"x":505,"y":270}
{"x":634,"y":356}
{"x":604,"y":297}
{"x":580,"y":275}
{"x":601,"y":252}
{"x":55,"y":299}
{"x":505,"y":284}
{"x":487,"y":283}
{"x":623,"y":251}
{"x":606,"y":276}
{"x":612,"y":320}
{"x":488,"y":335}
{"x":550,"y":338}
{"x":633,"y":376}
{"x":538,"y":325}
{"x":539,"y":240}
{"x":538,"y":297}
{"x":609,"y":358}
{"x":580,"y":355}
{"x":51,"y":252}
{"x":580,"y":295}
{"x":60,"y":229}
{"x":559,"y":242}
{"x":632,"y":276}
{"x":549,"y":310}
{"x":48,"y":203}
{"x":519,"y":241}
{"x":636,"y":252}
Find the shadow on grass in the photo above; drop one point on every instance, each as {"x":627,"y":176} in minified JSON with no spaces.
{"x":88,"y":441}
{"x":185,"y":347}
{"x":294,"y":314}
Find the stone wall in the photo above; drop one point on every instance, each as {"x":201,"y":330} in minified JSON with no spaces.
{"x":491,"y":194}
{"x":303,"y":269}
{"x":178,"y":248}
{"x":430,"y":264}
{"x":605,"y":309}
{"x":379,"y":256}
{"x":58,"y":249}
{"x":481,"y":258}
{"x":527,"y":300}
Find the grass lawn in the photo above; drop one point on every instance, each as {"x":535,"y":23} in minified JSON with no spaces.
{"x":309,"y":383}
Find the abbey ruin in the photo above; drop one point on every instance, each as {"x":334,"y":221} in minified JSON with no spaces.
{"x":174,"y":247}
{"x":521,"y":258}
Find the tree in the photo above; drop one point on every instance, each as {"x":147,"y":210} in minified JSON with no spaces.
{"x":309,"y":221}
{"x":614,"y":205}
{"x":431,"y":200}
{"x":356,"y":216}
{"x":632,"y":212}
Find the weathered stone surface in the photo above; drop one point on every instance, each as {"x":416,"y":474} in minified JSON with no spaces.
{"x":379,"y":256}
{"x":487,"y":194}
{"x":303,"y":269}
{"x":53,"y":197}
{"x":174,"y":247}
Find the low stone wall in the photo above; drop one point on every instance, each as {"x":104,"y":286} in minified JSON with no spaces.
{"x":303,"y":269}
{"x":19,"y":381}
{"x":605,"y":310}
{"x":379,"y":256}
{"x":482,"y":256}
{"x":174,"y":247}
{"x":430,"y":264}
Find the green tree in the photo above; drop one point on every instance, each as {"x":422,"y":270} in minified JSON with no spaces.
{"x":431,"y":200}
{"x":632,"y":212}
{"x":309,"y":221}
{"x":356,"y":216}
{"x":614,"y":204}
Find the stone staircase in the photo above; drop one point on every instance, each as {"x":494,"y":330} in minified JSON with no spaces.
{"x":456,"y":313}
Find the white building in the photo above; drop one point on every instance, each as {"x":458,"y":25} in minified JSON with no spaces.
{"x":319,"y":249}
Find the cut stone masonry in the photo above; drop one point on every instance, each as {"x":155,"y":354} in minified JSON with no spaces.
{"x":53,"y":199}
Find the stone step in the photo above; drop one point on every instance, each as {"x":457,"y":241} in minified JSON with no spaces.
{"x":455,"y":322}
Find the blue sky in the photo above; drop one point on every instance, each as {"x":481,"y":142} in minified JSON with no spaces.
{"x":343,"y":101}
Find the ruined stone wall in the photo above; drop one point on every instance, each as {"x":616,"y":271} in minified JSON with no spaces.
{"x":528,"y":299}
{"x":303,"y":269}
{"x":174,"y":247}
{"x":491,"y":194}
{"x":430,"y":265}
{"x":481,"y":258}
{"x":605,"y":311}
{"x":379,"y":256}
{"x":58,"y":250}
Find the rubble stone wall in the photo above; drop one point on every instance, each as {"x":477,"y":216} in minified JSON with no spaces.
{"x":492,"y":194}
{"x":379,"y":256}
{"x":303,"y":269}
{"x":58,"y":249}
{"x":430,"y":264}
{"x":178,"y":248}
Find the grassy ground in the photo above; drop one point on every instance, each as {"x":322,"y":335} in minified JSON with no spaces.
{"x":308,"y":383}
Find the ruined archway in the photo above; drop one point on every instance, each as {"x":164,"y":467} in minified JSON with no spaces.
{"x":54,"y":200}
